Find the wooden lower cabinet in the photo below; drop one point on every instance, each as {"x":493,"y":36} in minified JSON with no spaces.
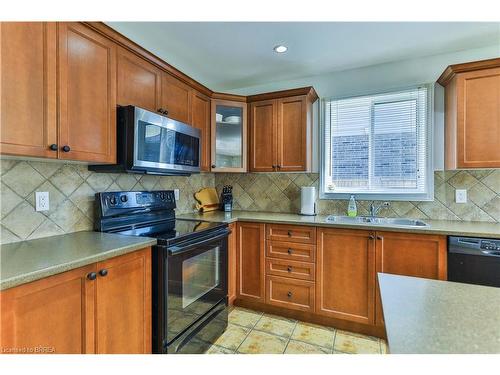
{"x":123,"y":304}
{"x":332,"y":281}
{"x":408,"y":254}
{"x":51,"y":315}
{"x":290,"y":293}
{"x":291,"y":233}
{"x":290,"y":268}
{"x":231,"y":263}
{"x":250,"y":261}
{"x":74,"y":313}
{"x":346,"y":274}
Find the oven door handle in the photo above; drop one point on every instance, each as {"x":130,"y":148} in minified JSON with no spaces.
{"x":176,"y":250}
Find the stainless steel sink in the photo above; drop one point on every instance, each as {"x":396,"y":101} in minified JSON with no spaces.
{"x":368,"y":220}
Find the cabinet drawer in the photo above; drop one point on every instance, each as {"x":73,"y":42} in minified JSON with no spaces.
{"x":291,"y":233}
{"x":288,"y":268}
{"x":290,"y":293}
{"x":291,"y":251}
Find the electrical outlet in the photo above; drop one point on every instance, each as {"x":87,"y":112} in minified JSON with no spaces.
{"x":176,"y":194}
{"x":460,"y":196}
{"x":42,"y":201}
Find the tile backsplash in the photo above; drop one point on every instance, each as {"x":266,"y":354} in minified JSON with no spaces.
{"x":71,"y":190}
{"x":280,"y":192}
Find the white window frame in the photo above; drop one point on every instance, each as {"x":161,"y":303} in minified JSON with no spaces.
{"x":428,"y":195}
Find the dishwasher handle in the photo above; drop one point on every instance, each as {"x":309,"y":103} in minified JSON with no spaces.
{"x":491,"y":253}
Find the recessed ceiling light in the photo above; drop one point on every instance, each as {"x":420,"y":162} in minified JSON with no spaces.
{"x":280,"y":49}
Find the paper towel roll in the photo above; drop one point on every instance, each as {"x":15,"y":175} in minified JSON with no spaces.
{"x":308,"y":200}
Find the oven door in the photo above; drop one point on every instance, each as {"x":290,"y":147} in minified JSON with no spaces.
{"x":196,"y":280}
{"x":163,"y":144}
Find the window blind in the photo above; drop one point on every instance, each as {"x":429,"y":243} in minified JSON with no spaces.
{"x":377,"y":144}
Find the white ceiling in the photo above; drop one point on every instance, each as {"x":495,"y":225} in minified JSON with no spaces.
{"x":228,"y":56}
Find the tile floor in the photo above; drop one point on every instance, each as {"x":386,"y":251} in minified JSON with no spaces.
{"x":252,"y":332}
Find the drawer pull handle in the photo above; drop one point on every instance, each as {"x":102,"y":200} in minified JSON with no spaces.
{"x":289,"y":251}
{"x":289,"y":294}
{"x":289,"y":269}
{"x":289,"y":233}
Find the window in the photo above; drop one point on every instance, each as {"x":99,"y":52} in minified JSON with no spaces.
{"x":378,"y":146}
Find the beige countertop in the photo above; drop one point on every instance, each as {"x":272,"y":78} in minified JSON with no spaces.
{"x":431,"y":316}
{"x":26,"y":261}
{"x":446,"y":227}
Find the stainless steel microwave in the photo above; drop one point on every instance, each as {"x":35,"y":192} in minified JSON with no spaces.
{"x":148,"y":142}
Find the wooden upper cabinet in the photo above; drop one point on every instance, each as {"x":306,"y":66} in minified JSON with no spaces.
{"x":345,"y":275}
{"x":28,"y":89}
{"x":251,"y":262}
{"x":418,"y":255}
{"x":200,"y":118}
{"x":263,"y":136}
{"x":281,"y":130}
{"x":123,"y":304}
{"x":472,"y":114}
{"x":294,"y":134}
{"x":55,"y":313}
{"x":138,"y":81}
{"x":176,"y":98}
{"x":87,"y":94}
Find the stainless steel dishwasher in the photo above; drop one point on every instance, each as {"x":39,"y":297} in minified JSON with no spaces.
{"x":474,"y":260}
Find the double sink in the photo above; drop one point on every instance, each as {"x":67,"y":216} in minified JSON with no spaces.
{"x":370,"y":220}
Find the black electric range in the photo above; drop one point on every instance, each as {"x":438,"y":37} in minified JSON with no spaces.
{"x":189,"y":267}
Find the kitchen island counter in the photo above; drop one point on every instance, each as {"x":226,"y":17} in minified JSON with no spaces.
{"x":439,"y":317}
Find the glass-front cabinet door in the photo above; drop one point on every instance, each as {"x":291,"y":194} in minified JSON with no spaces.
{"x":229,"y":136}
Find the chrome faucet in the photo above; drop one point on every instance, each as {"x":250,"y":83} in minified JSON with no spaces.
{"x":375,"y":209}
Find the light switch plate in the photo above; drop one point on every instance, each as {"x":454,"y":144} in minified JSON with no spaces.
{"x":42,"y":201}
{"x":460,"y":196}
{"x":176,"y":194}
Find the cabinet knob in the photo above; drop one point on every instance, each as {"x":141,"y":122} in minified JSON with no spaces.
{"x":165,"y":112}
{"x":278,"y":166}
{"x":289,"y":233}
{"x":274,"y":166}
{"x":289,"y":251}
{"x":380,"y":238}
{"x":103,"y":272}
{"x":289,"y":268}
{"x":53,"y":147}
{"x":371,"y":237}
{"x":213,"y":165}
{"x":92,"y":276}
{"x":289,"y":294}
{"x":66,"y":148}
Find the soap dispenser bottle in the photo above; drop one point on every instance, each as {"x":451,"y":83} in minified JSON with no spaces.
{"x":352,"y":209}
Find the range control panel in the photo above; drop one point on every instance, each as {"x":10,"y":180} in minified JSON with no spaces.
{"x":119,"y":202}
